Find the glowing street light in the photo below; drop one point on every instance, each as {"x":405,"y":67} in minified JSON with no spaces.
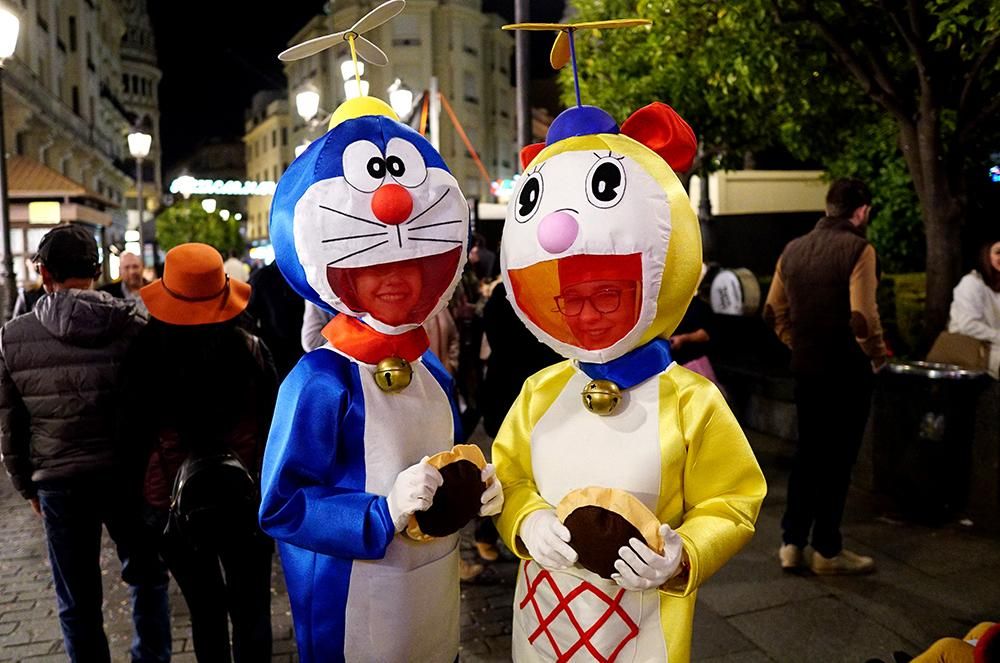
{"x":351,"y":88}
{"x":307,"y":104}
{"x":138,"y":146}
{"x":209,"y":205}
{"x":401,"y":99}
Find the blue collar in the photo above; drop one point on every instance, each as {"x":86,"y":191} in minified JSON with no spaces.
{"x":633,"y":367}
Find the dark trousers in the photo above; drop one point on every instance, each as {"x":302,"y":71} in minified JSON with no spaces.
{"x":230,"y":582}
{"x":74,"y":511}
{"x":832,"y":412}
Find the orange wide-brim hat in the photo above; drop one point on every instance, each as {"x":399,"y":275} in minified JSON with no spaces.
{"x":195,"y":289}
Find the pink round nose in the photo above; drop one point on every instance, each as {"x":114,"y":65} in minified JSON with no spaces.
{"x":557,"y":231}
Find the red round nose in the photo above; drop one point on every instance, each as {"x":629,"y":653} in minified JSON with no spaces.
{"x":392,"y":204}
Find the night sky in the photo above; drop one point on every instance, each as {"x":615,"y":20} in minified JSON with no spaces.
{"x":215,"y":54}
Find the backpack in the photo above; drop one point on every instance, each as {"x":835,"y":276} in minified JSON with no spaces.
{"x":214,"y":500}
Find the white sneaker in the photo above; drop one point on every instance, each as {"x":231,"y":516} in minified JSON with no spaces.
{"x":844,"y":563}
{"x":792,"y":557}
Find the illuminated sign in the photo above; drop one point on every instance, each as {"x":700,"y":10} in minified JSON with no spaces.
{"x":995,"y":173}
{"x":187,"y":185}
{"x":48,"y":212}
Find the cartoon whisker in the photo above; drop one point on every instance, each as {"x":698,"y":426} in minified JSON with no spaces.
{"x":342,"y":239}
{"x":432,"y":225}
{"x":429,"y":239}
{"x":351,"y":216}
{"x":351,"y":255}
{"x":446,"y":192}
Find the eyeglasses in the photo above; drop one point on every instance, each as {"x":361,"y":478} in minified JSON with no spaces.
{"x":604,"y":301}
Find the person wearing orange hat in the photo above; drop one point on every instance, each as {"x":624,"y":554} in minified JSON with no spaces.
{"x":181,"y":402}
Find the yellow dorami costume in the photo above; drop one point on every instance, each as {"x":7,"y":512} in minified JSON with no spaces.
{"x":602,"y":254}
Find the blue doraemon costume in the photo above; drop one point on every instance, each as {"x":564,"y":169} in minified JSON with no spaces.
{"x":369,"y":197}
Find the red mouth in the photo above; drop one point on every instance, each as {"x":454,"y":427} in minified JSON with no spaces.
{"x":536,"y":286}
{"x":396,"y":293}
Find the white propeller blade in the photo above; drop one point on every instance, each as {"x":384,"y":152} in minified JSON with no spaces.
{"x":378,"y":16}
{"x":311,"y":47}
{"x":369,"y":52}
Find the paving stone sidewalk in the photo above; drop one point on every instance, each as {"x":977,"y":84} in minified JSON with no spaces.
{"x":931,"y":582}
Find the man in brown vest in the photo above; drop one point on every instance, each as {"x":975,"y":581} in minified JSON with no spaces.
{"x":822,"y":306}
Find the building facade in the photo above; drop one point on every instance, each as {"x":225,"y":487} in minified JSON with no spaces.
{"x":269,"y":149}
{"x":452,"y":41}
{"x":66,"y":113}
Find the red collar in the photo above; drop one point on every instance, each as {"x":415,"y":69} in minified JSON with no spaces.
{"x":356,"y":339}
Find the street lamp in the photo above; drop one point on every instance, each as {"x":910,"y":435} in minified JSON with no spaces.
{"x":307,"y":104}
{"x":9,"y":26}
{"x":138,"y":146}
{"x":209,"y":205}
{"x":401,"y":99}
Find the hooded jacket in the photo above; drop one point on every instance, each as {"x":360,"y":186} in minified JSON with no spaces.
{"x":59,"y":370}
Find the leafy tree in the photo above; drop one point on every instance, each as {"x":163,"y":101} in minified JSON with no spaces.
{"x":186,"y":221}
{"x":827,"y":79}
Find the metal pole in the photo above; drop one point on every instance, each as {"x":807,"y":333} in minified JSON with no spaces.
{"x":10,"y":278}
{"x":522,"y":75}
{"x":139,"y":208}
{"x":434,"y":115}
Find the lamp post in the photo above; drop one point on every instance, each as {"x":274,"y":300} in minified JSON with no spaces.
{"x":9,"y":26}
{"x":138,"y":145}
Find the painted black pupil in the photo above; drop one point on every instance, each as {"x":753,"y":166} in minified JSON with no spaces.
{"x":395,"y":165}
{"x":607,"y":179}
{"x":528,"y":198}
{"x":376,"y":167}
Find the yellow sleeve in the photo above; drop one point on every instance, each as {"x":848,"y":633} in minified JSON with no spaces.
{"x":512,"y":452}
{"x":722,"y":483}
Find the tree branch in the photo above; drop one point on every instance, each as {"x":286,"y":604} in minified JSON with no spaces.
{"x":870,"y":81}
{"x":970,"y":78}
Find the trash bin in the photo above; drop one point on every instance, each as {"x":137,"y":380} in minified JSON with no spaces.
{"x":924,"y":419}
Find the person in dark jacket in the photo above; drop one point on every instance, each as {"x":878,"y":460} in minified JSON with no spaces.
{"x":59,"y":369}
{"x":277,"y":311}
{"x":822,"y":305}
{"x":209,"y":386}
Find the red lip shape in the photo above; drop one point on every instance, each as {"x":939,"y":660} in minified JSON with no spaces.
{"x":536,"y":287}
{"x":396,"y":293}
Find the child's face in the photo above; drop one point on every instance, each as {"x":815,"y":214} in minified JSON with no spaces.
{"x":599,"y":313}
{"x":389,"y":292}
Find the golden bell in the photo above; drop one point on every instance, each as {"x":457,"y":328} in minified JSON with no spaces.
{"x":393,"y":374}
{"x":601,"y":397}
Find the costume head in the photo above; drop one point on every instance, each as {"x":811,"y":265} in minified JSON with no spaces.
{"x":601,"y":248}
{"x":369,"y":222}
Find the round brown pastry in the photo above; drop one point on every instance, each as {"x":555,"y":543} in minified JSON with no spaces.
{"x":602,"y":520}
{"x":458,"y":499}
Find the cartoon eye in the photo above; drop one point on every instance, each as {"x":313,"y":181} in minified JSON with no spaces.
{"x":364,"y":166}
{"x":606,"y":183}
{"x":405,"y":163}
{"x":528,"y":197}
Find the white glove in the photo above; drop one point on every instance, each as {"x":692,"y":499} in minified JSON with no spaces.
{"x":412,"y":491}
{"x":547,"y":539}
{"x":640,"y":568}
{"x":493,"y":495}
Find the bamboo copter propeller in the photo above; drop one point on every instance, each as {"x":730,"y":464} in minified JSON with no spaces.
{"x":360,"y":46}
{"x":564,"y":50}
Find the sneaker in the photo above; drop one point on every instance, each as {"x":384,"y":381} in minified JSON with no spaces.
{"x":487,"y":551}
{"x":844,"y":563}
{"x":791,"y":556}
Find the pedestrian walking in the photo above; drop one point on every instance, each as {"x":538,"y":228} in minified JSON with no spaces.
{"x":822,"y":306}
{"x":59,"y":370}
{"x":201,"y":393}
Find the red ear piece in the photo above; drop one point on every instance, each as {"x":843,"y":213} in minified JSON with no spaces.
{"x":529,"y":152}
{"x":661,"y":129}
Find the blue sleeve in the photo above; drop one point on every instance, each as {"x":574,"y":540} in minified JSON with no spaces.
{"x":447,"y":383}
{"x":313,"y":478}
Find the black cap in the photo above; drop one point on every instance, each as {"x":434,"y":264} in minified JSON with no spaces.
{"x":68,"y":251}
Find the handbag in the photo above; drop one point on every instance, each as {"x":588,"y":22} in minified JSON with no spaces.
{"x":960,"y":350}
